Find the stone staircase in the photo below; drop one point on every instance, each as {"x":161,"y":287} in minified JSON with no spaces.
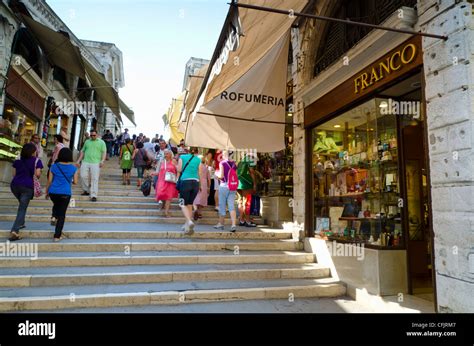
{"x":120,"y":251}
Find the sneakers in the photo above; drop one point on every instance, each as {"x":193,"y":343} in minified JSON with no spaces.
{"x":250,"y":224}
{"x":188,"y":228}
{"x":94,"y":199}
{"x":85,"y":193}
{"x":242,"y":223}
{"x":219,"y":226}
{"x":53,"y":221}
{"x":233,"y":229}
{"x":14,"y":236}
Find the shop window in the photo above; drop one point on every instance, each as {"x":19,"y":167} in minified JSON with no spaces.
{"x":17,"y":125}
{"x":356,"y":180}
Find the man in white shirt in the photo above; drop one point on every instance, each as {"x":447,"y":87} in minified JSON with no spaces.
{"x":125,"y":135}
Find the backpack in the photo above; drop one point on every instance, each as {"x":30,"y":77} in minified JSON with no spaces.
{"x":243,"y":172}
{"x":232,"y":178}
{"x":127,"y":156}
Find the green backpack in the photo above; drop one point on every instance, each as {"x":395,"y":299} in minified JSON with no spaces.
{"x":127,"y":155}
{"x":243,"y":172}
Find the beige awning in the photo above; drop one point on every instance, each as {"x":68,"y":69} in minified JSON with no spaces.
{"x":191,"y":94}
{"x":103,"y":88}
{"x":57,"y":46}
{"x":173,"y":117}
{"x":247,"y":81}
{"x":127,"y":111}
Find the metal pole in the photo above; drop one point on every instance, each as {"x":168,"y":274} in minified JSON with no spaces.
{"x":292,"y":13}
{"x":251,"y":120}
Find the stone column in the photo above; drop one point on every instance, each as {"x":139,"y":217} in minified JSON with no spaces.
{"x":8,"y":28}
{"x":450,"y":118}
{"x":299,"y":152}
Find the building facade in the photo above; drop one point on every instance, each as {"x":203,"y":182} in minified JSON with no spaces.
{"x":383,"y":156}
{"x":44,"y":92}
{"x":193,"y":65}
{"x":111,"y":61}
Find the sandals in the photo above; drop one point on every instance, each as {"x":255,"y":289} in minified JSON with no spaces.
{"x":14,"y":236}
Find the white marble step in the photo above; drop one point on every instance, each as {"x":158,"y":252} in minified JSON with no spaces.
{"x":175,"y":293}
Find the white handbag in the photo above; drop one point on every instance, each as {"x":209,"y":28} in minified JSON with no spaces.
{"x":170,"y":177}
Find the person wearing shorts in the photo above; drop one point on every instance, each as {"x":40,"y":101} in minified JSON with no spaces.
{"x":140,"y":157}
{"x":226,"y":197}
{"x":247,"y":186}
{"x":189,"y":173}
{"x":126,"y":161}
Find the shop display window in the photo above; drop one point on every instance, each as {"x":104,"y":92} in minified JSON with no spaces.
{"x":17,"y":126}
{"x":356,"y":181}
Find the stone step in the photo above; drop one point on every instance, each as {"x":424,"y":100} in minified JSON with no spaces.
{"x":84,"y":202}
{"x":176,"y":293}
{"x":68,"y":260}
{"x":37,"y":234}
{"x":102,"y":192}
{"x":73,"y":217}
{"x":130,"y":246}
{"x":125,"y":199}
{"x":55,"y":276}
{"x":137,"y":211}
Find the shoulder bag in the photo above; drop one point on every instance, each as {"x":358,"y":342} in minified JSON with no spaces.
{"x":64,"y":175}
{"x":170,"y":177}
{"x":179,"y":183}
{"x":38,"y":190}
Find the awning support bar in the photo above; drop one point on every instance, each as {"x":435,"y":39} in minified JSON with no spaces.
{"x":292,"y":13}
{"x":251,"y":120}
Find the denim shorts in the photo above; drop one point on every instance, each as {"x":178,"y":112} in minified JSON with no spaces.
{"x":226,"y":197}
{"x":140,"y":170}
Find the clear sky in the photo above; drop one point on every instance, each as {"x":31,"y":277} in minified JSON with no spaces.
{"x":156,"y":37}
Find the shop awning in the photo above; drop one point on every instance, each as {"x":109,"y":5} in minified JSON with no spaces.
{"x":57,"y":46}
{"x":173,"y":117}
{"x":247,"y":82}
{"x":191,"y":94}
{"x":127,"y":111}
{"x":107,"y":93}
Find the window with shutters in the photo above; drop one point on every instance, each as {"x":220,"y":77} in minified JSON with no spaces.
{"x":340,"y":37}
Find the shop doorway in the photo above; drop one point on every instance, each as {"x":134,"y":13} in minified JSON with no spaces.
{"x":407,"y":96}
{"x":419,"y":248}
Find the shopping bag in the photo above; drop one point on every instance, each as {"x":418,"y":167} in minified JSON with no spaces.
{"x":146,"y":187}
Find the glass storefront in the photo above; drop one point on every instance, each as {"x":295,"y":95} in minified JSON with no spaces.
{"x":357,"y":173}
{"x":18,"y":125}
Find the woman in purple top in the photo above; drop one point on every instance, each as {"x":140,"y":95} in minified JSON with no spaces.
{"x":226,"y":196}
{"x":22,"y":184}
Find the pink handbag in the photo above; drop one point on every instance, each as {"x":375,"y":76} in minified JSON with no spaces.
{"x":36,"y":183}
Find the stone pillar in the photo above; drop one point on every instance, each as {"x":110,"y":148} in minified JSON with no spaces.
{"x":299,"y":152}
{"x":8,"y":28}
{"x":450,"y":118}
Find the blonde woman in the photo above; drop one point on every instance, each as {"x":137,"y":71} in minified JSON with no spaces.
{"x":166,"y":188}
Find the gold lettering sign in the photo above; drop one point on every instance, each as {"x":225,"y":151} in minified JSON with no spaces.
{"x":391,"y":64}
